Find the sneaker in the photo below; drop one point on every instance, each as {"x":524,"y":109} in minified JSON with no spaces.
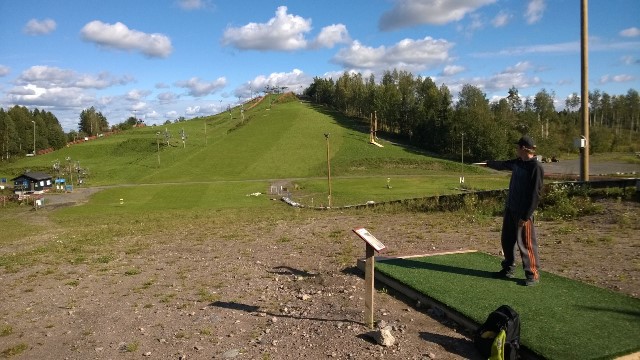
{"x":531,"y":282}
{"x":503,"y":274}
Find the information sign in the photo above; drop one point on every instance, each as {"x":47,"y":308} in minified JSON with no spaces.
{"x":370,"y":239}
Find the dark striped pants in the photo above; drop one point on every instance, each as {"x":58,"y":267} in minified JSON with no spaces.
{"x":524,"y":237}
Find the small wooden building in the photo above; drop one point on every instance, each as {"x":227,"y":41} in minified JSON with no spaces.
{"x":32,"y":182}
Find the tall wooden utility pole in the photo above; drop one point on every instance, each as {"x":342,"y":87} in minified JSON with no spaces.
{"x":584,"y":72}
{"x":328,"y":167}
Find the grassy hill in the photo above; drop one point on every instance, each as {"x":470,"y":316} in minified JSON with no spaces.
{"x":284,"y":141}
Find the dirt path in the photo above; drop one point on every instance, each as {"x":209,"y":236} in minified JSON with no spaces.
{"x":79,"y":195}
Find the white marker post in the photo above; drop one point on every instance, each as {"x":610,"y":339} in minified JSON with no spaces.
{"x":372,"y":245}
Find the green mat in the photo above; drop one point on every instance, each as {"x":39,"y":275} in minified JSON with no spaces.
{"x":561,"y":318}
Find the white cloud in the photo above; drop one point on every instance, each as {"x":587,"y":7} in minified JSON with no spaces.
{"x":360,"y":56}
{"x":337,"y":74}
{"x":101,"y":81}
{"x":196,"y":110}
{"x":106,"y":100}
{"x":139,"y":106}
{"x":451,"y":70}
{"x":293,"y":81}
{"x":535,"y":9}
{"x":26,"y":90}
{"x":408,"y":54}
{"x":511,"y":76}
{"x":567,"y":47}
{"x":282,"y":32}
{"x":505,"y":80}
{"x":39,"y":27}
{"x":64,"y":90}
{"x":615,"y":78}
{"x":532,"y":49}
{"x":476,"y":23}
{"x":167,"y":97}
{"x":331,"y":35}
{"x":119,"y":36}
{"x":152,"y":114}
{"x":408,"y":13}
{"x":520,"y":67}
{"x":501,"y":19}
{"x":4,"y":70}
{"x":563,"y":82}
{"x":191,"y":110}
{"x":47,"y":76}
{"x":630,"y":32}
{"x":627,"y":60}
{"x":501,"y":82}
{"x":198,"y":88}
{"x":54,"y":96}
{"x":192,"y":4}
{"x":137,"y":95}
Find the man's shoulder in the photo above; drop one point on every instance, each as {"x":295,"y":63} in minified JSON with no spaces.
{"x":535,"y":165}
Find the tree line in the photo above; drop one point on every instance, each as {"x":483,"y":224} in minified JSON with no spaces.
{"x":23,"y":131}
{"x":413,"y":108}
{"x":426,"y":115}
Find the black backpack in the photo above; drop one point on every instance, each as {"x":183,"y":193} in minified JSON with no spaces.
{"x":503,"y":318}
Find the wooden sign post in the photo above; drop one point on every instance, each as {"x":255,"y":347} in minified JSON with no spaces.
{"x":373,"y":245}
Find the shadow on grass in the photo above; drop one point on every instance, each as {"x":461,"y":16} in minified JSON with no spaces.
{"x":362,"y":126}
{"x":256,"y":309}
{"x":412,"y":264}
{"x":612,"y":310}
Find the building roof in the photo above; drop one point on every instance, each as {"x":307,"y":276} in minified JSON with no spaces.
{"x":34,"y":175}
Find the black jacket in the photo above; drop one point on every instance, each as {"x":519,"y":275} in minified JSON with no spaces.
{"x":525,"y":187}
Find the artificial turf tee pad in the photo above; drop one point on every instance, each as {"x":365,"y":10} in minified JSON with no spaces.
{"x":561,"y":318}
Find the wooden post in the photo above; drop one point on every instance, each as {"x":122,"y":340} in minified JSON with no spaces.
{"x":372,"y":246}
{"x":369,"y":288}
{"x":371,"y":129}
{"x":158,"y":144}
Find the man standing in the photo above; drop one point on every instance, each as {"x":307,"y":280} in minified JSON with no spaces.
{"x":525,"y":189}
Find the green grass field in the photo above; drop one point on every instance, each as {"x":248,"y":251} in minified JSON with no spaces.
{"x":285,"y":141}
{"x":561,"y":318}
{"x":209,"y":177}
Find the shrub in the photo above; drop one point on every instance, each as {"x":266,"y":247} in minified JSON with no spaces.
{"x":567,"y":201}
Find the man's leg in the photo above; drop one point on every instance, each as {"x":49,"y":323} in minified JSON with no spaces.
{"x":528,"y":245}
{"x":508,"y":240}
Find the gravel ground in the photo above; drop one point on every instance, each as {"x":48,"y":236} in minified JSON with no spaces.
{"x":284,"y":289}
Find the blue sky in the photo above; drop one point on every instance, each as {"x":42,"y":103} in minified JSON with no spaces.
{"x":162,"y":59}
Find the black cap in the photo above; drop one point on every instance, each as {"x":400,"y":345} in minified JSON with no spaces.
{"x":527,"y":142}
